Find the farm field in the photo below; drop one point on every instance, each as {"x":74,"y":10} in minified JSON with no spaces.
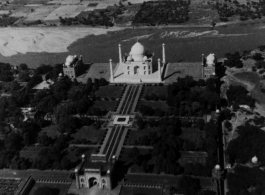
{"x":110,"y":91}
{"x":40,"y":13}
{"x":155,"y":104}
{"x":63,"y":11}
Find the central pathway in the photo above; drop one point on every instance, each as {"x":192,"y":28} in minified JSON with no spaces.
{"x":115,"y":137}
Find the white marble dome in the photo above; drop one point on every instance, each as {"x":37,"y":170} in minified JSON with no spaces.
{"x":210,"y":60}
{"x":137,"y":52}
{"x":217,"y":167}
{"x":69,"y":60}
{"x":254,"y":160}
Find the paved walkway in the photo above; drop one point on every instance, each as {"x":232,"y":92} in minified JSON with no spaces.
{"x":113,"y":142}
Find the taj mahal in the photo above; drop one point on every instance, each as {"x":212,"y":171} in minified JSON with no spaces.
{"x":140,"y":66}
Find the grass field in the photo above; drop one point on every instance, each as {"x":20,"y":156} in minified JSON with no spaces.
{"x":124,"y":156}
{"x":140,"y":191}
{"x":89,"y":133}
{"x":30,"y":152}
{"x":155,"y":104}
{"x":191,"y":134}
{"x":135,"y":135}
{"x":63,"y":11}
{"x":74,"y":154}
{"x":105,"y":105}
{"x":51,"y":131}
{"x":24,"y":2}
{"x":62,"y":187}
{"x":158,"y":90}
{"x":109,"y":91}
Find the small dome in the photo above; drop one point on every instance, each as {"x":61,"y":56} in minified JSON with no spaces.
{"x":83,"y":156}
{"x":217,"y":167}
{"x":113,"y":157}
{"x":145,"y":58}
{"x":210,"y":59}
{"x":137,"y":51}
{"x":108,"y":171}
{"x":69,"y":60}
{"x":217,"y":111}
{"x":60,"y":75}
{"x":129,"y":58}
{"x":76,"y":170}
{"x":254,"y":160}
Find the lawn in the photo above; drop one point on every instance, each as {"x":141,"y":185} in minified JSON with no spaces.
{"x":124,"y":155}
{"x":74,"y":154}
{"x":30,"y":152}
{"x":89,"y":133}
{"x":62,"y":187}
{"x":135,"y":135}
{"x":110,"y":91}
{"x":105,"y":105}
{"x":157,"y":90}
{"x":155,"y":104}
{"x":192,"y":134}
{"x":140,"y":191}
{"x":51,"y":131}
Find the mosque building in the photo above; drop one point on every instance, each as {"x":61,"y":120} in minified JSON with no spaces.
{"x":72,"y":66}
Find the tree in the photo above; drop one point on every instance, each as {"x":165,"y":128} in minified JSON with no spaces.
{"x":23,"y":76}
{"x":189,"y":185}
{"x":23,"y":67}
{"x":140,"y":123}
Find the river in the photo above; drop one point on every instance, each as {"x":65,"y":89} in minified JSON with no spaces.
{"x":182,"y":44}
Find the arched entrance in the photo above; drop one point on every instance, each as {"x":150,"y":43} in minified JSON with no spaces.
{"x":92,"y":181}
{"x":136,"y":70}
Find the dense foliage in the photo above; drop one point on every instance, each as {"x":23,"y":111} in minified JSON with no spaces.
{"x":95,"y":18}
{"x":249,"y":143}
{"x":167,"y":12}
{"x":245,"y":178}
{"x":187,"y":98}
{"x":239,"y":95}
{"x":250,"y":10}
{"x":5,"y":72}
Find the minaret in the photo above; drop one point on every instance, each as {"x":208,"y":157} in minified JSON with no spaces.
{"x":111,"y":71}
{"x":120,"y":57}
{"x":202,"y":66}
{"x":159,"y":70}
{"x":164,"y":54}
{"x":77,"y":179}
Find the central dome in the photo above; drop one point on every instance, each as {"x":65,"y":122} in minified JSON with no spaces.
{"x":210,"y":59}
{"x":254,"y":160}
{"x":137,"y":51}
